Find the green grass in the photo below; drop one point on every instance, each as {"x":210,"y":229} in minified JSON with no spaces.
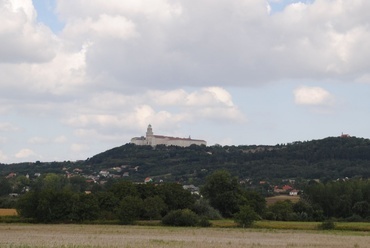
{"x":227,"y":223}
{"x":295,"y":225}
{"x":148,"y":223}
{"x":353,"y":226}
{"x":224,"y":223}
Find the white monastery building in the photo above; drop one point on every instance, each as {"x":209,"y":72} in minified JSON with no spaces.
{"x":153,"y":140}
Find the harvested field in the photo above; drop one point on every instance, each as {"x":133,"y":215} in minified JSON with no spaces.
{"x":8,"y":212}
{"x":271,"y":200}
{"x":26,"y":235}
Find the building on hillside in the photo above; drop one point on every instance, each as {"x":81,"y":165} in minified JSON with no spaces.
{"x":344,"y":135}
{"x":294,"y":192}
{"x":153,"y":140}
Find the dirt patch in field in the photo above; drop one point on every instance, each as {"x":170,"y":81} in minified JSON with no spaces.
{"x":12,"y":235}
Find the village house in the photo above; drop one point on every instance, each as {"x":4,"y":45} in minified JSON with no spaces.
{"x":294,"y":192}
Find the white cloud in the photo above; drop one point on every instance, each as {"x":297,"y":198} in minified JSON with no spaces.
{"x":3,"y":156}
{"x":130,"y":45}
{"x":230,"y":115}
{"x":104,"y":27}
{"x":159,"y":9}
{"x":312,"y":96}
{"x":38,"y":140}
{"x":105,"y":115}
{"x":119,"y":65}
{"x":8,"y":127}
{"x":79,"y":147}
{"x":22,"y":39}
{"x":3,"y":140}
{"x":25,"y":153}
{"x":61,"y":139}
{"x":210,"y":96}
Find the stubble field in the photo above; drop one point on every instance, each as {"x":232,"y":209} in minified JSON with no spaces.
{"x":8,"y":212}
{"x":27,"y":235}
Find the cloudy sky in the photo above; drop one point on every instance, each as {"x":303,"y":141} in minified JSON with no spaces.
{"x":79,"y":77}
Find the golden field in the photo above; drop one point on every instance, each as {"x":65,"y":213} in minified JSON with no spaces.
{"x":8,"y":212}
{"x":41,"y":235}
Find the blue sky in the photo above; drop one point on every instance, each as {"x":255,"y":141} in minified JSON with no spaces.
{"x":46,"y":13}
{"x":80,"y":77}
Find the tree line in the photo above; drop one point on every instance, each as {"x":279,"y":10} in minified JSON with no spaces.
{"x":345,"y":199}
{"x":55,"y":198}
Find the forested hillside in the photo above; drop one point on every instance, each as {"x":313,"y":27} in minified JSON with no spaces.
{"x":329,"y":158}
{"x":325,"y":159}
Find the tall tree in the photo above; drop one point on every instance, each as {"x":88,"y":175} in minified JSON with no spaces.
{"x":130,"y":209}
{"x":223,"y":192}
{"x":154,"y":207}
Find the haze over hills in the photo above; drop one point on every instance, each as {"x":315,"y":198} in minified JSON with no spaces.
{"x":325,"y":159}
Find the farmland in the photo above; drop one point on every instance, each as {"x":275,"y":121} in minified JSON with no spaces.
{"x":25,"y":235}
{"x":8,"y":212}
{"x":274,"y":199}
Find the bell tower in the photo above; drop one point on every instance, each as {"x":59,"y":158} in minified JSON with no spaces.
{"x":149,"y":135}
{"x":149,"y":131}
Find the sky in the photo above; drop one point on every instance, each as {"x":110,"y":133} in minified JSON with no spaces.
{"x":80,"y":77}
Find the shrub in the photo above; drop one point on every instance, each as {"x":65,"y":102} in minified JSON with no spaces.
{"x":327,"y":225}
{"x":202,"y":208}
{"x":153,"y":207}
{"x":355,"y":218}
{"x":282,"y":210}
{"x":246,"y":216}
{"x":181,"y":217}
{"x":270,"y":216}
{"x":204,"y":222}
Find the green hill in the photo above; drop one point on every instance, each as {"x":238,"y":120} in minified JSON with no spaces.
{"x":330,"y":158}
{"x":325,"y":159}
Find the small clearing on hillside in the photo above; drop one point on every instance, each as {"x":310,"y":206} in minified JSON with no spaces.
{"x":271,"y":200}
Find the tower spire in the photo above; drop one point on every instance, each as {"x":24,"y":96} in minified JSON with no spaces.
{"x":149,"y":131}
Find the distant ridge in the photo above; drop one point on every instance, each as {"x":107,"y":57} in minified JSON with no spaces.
{"x":325,"y":159}
{"x":331,"y":157}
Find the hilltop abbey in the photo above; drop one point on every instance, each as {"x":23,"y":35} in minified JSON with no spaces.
{"x":153,"y":140}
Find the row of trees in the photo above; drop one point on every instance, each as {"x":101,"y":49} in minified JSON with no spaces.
{"x":341,"y":199}
{"x":345,"y":200}
{"x":54,"y":198}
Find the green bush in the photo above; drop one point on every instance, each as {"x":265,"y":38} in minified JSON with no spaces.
{"x":246,"y":216}
{"x":8,"y":202}
{"x":327,"y":225}
{"x":202,"y":208}
{"x":181,"y":217}
{"x":354,"y":218}
{"x":204,"y":222}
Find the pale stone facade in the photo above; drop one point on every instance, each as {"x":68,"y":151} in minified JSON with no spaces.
{"x":153,"y":140}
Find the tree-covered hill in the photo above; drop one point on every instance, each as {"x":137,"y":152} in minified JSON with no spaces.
{"x":328,"y":158}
